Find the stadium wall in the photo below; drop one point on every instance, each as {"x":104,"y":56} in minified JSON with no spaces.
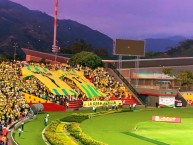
{"x":32,"y":55}
{"x":156,"y":62}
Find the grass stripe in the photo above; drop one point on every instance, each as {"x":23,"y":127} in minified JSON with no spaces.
{"x":145,"y":138}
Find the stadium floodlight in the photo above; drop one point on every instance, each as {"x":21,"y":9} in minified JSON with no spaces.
{"x":54,"y":47}
{"x":55,"y":50}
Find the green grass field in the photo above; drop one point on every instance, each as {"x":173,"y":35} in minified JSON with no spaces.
{"x":171,"y":133}
{"x":33,"y":129}
{"x":126,"y":128}
{"x":120,"y":128}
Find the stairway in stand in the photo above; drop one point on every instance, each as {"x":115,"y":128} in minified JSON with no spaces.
{"x":75,"y":105}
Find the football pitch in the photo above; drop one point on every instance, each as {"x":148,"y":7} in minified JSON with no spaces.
{"x":136,"y":128}
{"x":126,"y":128}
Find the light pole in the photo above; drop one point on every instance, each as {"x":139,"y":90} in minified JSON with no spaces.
{"x":55,"y":50}
{"x":14,"y":54}
{"x":54,"y":46}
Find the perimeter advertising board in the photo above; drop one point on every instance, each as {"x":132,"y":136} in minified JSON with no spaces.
{"x":166,"y":119}
{"x":166,"y":101}
{"x":102,"y":103}
{"x":129,"y":47}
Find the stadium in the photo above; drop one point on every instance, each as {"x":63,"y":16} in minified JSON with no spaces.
{"x":53,"y":100}
{"x":63,"y":104}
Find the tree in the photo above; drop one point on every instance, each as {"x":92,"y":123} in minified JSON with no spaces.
{"x":85,"y":58}
{"x":167,"y":71}
{"x":151,"y":54}
{"x":185,"y":77}
{"x":101,"y":52}
{"x":77,"y":46}
{"x":3,"y":57}
{"x":183,"y":48}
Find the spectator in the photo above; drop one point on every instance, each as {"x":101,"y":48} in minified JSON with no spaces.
{"x":67,"y":104}
{"x":46,"y":120}
{"x":130,"y":107}
{"x":7,"y":141}
{"x":157,"y":104}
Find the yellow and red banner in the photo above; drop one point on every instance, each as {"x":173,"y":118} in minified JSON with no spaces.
{"x":102,"y":103}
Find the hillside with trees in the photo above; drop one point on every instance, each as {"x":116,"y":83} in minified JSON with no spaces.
{"x":34,"y":30}
{"x":182,"y":49}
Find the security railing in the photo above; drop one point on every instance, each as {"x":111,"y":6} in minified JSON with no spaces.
{"x":125,"y":81}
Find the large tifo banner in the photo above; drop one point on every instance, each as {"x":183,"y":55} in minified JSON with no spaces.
{"x":166,"y":119}
{"x":166,"y":101}
{"x":84,"y":84}
{"x":55,"y":85}
{"x":102,"y":103}
{"x":51,"y":79}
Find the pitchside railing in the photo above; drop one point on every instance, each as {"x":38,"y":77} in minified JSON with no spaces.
{"x":125,"y":81}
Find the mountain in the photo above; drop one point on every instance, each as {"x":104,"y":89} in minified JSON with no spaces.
{"x":34,"y":30}
{"x":162,"y":44}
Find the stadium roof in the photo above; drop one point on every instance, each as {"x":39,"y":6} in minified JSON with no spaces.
{"x":46,"y":56}
{"x":155,"y":62}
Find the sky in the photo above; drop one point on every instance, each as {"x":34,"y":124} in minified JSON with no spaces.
{"x":127,"y":19}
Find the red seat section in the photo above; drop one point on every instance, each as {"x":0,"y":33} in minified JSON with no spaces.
{"x":52,"y":107}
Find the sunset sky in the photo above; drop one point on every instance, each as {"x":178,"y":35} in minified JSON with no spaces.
{"x":124,"y":18}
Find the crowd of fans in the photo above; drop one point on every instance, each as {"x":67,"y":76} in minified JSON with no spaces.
{"x":12,"y":84}
{"x":99,"y":77}
{"x":107,"y":83}
{"x":12,"y":105}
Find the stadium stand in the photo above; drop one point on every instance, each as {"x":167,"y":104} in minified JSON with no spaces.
{"x":57,"y":87}
{"x":82,"y":83}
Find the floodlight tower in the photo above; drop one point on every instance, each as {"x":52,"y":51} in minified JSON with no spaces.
{"x":54,"y":46}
